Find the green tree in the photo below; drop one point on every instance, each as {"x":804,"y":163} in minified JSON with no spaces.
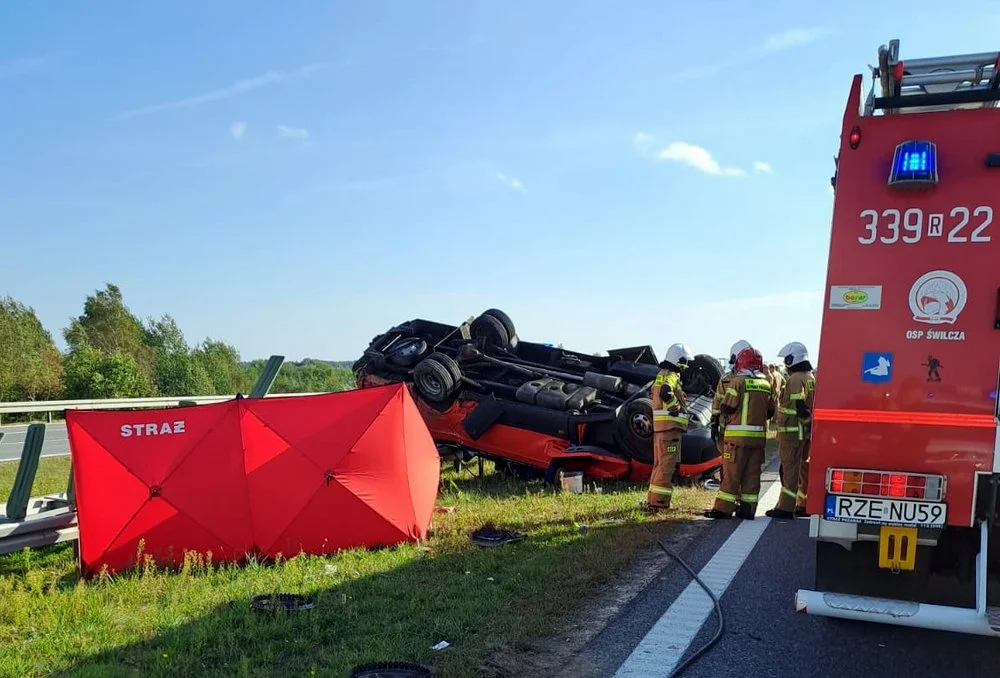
{"x":182,"y":374}
{"x":221,"y":363}
{"x":177,"y":370}
{"x":107,"y":325}
{"x":308,"y":376}
{"x":30,"y":365}
{"x":92,"y":373}
{"x":164,"y":334}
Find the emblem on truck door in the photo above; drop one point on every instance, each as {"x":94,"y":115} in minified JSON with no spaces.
{"x":937,"y":298}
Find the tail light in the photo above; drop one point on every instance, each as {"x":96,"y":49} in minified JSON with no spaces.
{"x":891,"y":484}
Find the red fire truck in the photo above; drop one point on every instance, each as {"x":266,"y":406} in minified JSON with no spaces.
{"x":905,"y":458}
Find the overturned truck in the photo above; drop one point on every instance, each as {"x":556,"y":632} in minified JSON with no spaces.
{"x":534,"y":408}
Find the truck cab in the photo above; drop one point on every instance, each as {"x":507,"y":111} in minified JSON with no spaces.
{"x":904,"y":457}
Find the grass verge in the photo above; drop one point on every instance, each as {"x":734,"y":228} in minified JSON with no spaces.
{"x":391,"y":604}
{"x":52,"y":476}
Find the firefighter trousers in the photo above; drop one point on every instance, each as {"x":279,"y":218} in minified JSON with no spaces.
{"x":792,"y":451}
{"x":801,"y":494}
{"x":741,"y":469}
{"x":666,"y":453}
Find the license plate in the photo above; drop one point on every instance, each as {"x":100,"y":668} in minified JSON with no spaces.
{"x":884,"y":511}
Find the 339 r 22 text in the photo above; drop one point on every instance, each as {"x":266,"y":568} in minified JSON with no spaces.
{"x":960,"y":224}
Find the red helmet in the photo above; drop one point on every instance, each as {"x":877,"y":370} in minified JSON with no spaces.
{"x":749,"y":359}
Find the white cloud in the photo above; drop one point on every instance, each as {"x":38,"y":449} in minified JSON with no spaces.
{"x":643,"y":142}
{"x":793,"y":37}
{"x":297,"y":133}
{"x":237,"y":130}
{"x":512,"y":182}
{"x":235,"y":89}
{"x":763,"y":168}
{"x":697,"y":157}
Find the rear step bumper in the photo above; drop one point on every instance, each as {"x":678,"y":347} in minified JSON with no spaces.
{"x":982,"y":621}
{"x":899,"y":612}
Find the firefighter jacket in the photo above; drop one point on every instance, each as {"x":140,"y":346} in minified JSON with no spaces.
{"x":720,"y":393}
{"x":669,"y":405}
{"x":748,"y":403}
{"x":779,"y":382}
{"x":795,"y":406}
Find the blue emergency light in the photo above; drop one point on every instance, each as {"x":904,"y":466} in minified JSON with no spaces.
{"x":914,"y":166}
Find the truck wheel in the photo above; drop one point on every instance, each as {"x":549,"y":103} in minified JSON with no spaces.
{"x":507,"y":323}
{"x":433,"y":380}
{"x":450,"y":364}
{"x":702,"y":375}
{"x":634,"y":429}
{"x":407,"y":352}
{"x":490,"y":332}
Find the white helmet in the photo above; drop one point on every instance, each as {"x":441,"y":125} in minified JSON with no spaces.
{"x":735,"y":349}
{"x":678,"y":354}
{"x":793,"y":353}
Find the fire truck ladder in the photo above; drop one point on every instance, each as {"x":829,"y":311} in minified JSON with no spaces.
{"x":935,"y":83}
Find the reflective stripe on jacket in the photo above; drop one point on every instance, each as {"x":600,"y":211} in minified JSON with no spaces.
{"x":670,"y":413}
{"x":799,"y":386}
{"x":750,"y":395}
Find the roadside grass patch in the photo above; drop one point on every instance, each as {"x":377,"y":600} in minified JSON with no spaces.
{"x":389,"y":604}
{"x":52,"y":477}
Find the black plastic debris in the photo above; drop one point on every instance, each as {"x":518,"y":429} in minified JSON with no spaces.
{"x":492,"y":536}
{"x":289,"y":602}
{"x":390,"y":670}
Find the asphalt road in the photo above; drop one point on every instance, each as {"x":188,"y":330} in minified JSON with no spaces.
{"x":56,"y":442}
{"x":763,"y":634}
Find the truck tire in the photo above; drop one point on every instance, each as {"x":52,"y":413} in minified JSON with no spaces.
{"x":489,"y":332}
{"x":634,"y":429}
{"x":449,"y":362}
{"x":407,"y":352}
{"x":702,"y":375}
{"x":507,"y":323}
{"x":433,"y":380}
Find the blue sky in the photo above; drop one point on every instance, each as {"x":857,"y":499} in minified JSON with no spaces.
{"x":297,"y":177}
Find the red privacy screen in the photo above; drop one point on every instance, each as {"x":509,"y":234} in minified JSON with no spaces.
{"x":258,"y":476}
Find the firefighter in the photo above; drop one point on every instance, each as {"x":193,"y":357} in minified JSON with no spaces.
{"x":777,"y":383}
{"x":794,"y":423}
{"x":670,"y":421}
{"x":720,"y":391}
{"x":778,"y":376}
{"x":746,"y":407}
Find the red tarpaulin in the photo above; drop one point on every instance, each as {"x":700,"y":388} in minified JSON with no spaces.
{"x":258,"y":476}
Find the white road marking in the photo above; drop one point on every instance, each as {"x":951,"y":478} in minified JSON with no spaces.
{"x":666,"y":643}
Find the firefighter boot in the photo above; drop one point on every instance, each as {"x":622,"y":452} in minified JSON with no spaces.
{"x":746,"y":511}
{"x":779,"y":514}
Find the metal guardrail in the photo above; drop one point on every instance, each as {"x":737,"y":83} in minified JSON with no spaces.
{"x":29,"y":406}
